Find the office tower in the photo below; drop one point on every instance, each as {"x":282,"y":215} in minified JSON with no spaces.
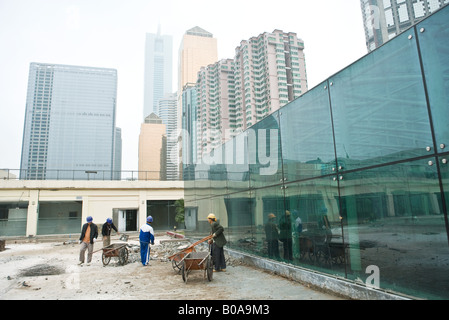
{"x":384,"y":19}
{"x":152,"y":149}
{"x":269,"y":72}
{"x":216,"y":119}
{"x":69,"y":128}
{"x":189,"y":123}
{"x":167,"y":111}
{"x":198,"y":49}
{"x":158,"y":70}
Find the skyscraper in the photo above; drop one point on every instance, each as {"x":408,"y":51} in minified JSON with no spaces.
{"x":270,"y":72}
{"x":216,"y":118}
{"x":158,"y":70}
{"x":69,"y":128}
{"x":384,"y":19}
{"x":267,"y":72}
{"x":167,"y":111}
{"x":198,"y":49}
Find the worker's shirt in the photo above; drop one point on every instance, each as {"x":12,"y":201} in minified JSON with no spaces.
{"x":146,"y":234}
{"x":86,"y":238}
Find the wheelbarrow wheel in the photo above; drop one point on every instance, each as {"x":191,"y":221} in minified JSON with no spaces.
{"x":176,"y":263}
{"x":123,"y":256}
{"x":184,"y":272}
{"x":209,"y":269}
{"x":105,"y":259}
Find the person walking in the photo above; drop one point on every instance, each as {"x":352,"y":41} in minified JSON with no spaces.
{"x":146,"y":236}
{"x":89,"y":234}
{"x":218,"y":241}
{"x":106,"y":231}
{"x":272,"y":234}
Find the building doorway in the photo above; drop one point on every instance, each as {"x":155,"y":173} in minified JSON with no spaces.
{"x":126,"y":219}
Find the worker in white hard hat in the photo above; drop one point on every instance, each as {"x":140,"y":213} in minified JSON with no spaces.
{"x":218,"y":241}
{"x":146,"y":236}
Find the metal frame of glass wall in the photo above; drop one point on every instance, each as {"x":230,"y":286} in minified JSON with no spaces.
{"x":351,"y":179}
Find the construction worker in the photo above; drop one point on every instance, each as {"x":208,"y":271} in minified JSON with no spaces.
{"x":272,"y":234}
{"x":146,"y":237}
{"x":106,"y":231}
{"x":89,"y":234}
{"x":218,"y":241}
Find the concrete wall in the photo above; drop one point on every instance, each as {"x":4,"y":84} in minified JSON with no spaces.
{"x":99,"y":198}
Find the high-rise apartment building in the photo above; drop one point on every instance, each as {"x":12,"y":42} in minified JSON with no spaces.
{"x":158,"y":70}
{"x":216,"y":119}
{"x":267,"y":72}
{"x":384,"y":19}
{"x":69,"y":128}
{"x":152,"y":149}
{"x":167,"y":111}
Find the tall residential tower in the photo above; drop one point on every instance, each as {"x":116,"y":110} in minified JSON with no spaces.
{"x":384,"y":19}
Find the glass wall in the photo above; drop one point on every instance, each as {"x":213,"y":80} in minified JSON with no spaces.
{"x":350,"y":179}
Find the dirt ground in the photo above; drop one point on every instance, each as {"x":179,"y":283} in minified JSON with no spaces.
{"x":50,"y":271}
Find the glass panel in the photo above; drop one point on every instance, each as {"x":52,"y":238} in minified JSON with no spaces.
{"x":379,"y":107}
{"x":433,"y":34}
{"x":395,"y":228}
{"x":236,"y":164}
{"x":317,"y":232}
{"x":239,"y":208}
{"x":264,"y":152}
{"x":13,"y":219}
{"x":306,"y":134}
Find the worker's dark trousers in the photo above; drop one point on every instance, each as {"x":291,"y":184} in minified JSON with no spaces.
{"x":218,"y":257}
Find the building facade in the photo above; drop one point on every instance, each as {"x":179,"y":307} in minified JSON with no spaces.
{"x":269,"y":72}
{"x":384,"y":19}
{"x":167,"y":112}
{"x":69,"y":128}
{"x":198,"y":49}
{"x":216,"y":118}
{"x":356,"y":172}
{"x":158,"y":79}
{"x":153,"y":149}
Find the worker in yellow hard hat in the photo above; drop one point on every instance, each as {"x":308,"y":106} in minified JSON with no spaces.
{"x":272,"y":235}
{"x":217,"y":242}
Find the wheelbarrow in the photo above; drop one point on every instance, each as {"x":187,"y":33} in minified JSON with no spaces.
{"x":177,"y":258}
{"x":197,"y":261}
{"x":118,"y":250}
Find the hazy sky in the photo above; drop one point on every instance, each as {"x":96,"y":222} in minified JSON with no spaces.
{"x":111,"y":34}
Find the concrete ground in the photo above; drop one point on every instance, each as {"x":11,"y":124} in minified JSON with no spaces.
{"x":49,"y":271}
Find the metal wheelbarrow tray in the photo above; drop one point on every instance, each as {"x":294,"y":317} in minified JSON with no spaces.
{"x":197,"y":261}
{"x":118,"y":250}
{"x":177,"y":258}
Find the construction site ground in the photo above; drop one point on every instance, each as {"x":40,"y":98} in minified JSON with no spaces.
{"x":49,"y":270}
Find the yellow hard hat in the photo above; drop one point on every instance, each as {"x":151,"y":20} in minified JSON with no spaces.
{"x":271,"y":216}
{"x":211,"y":216}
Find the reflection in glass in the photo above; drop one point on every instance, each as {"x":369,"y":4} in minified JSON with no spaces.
{"x":393,"y":219}
{"x":379,"y":107}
